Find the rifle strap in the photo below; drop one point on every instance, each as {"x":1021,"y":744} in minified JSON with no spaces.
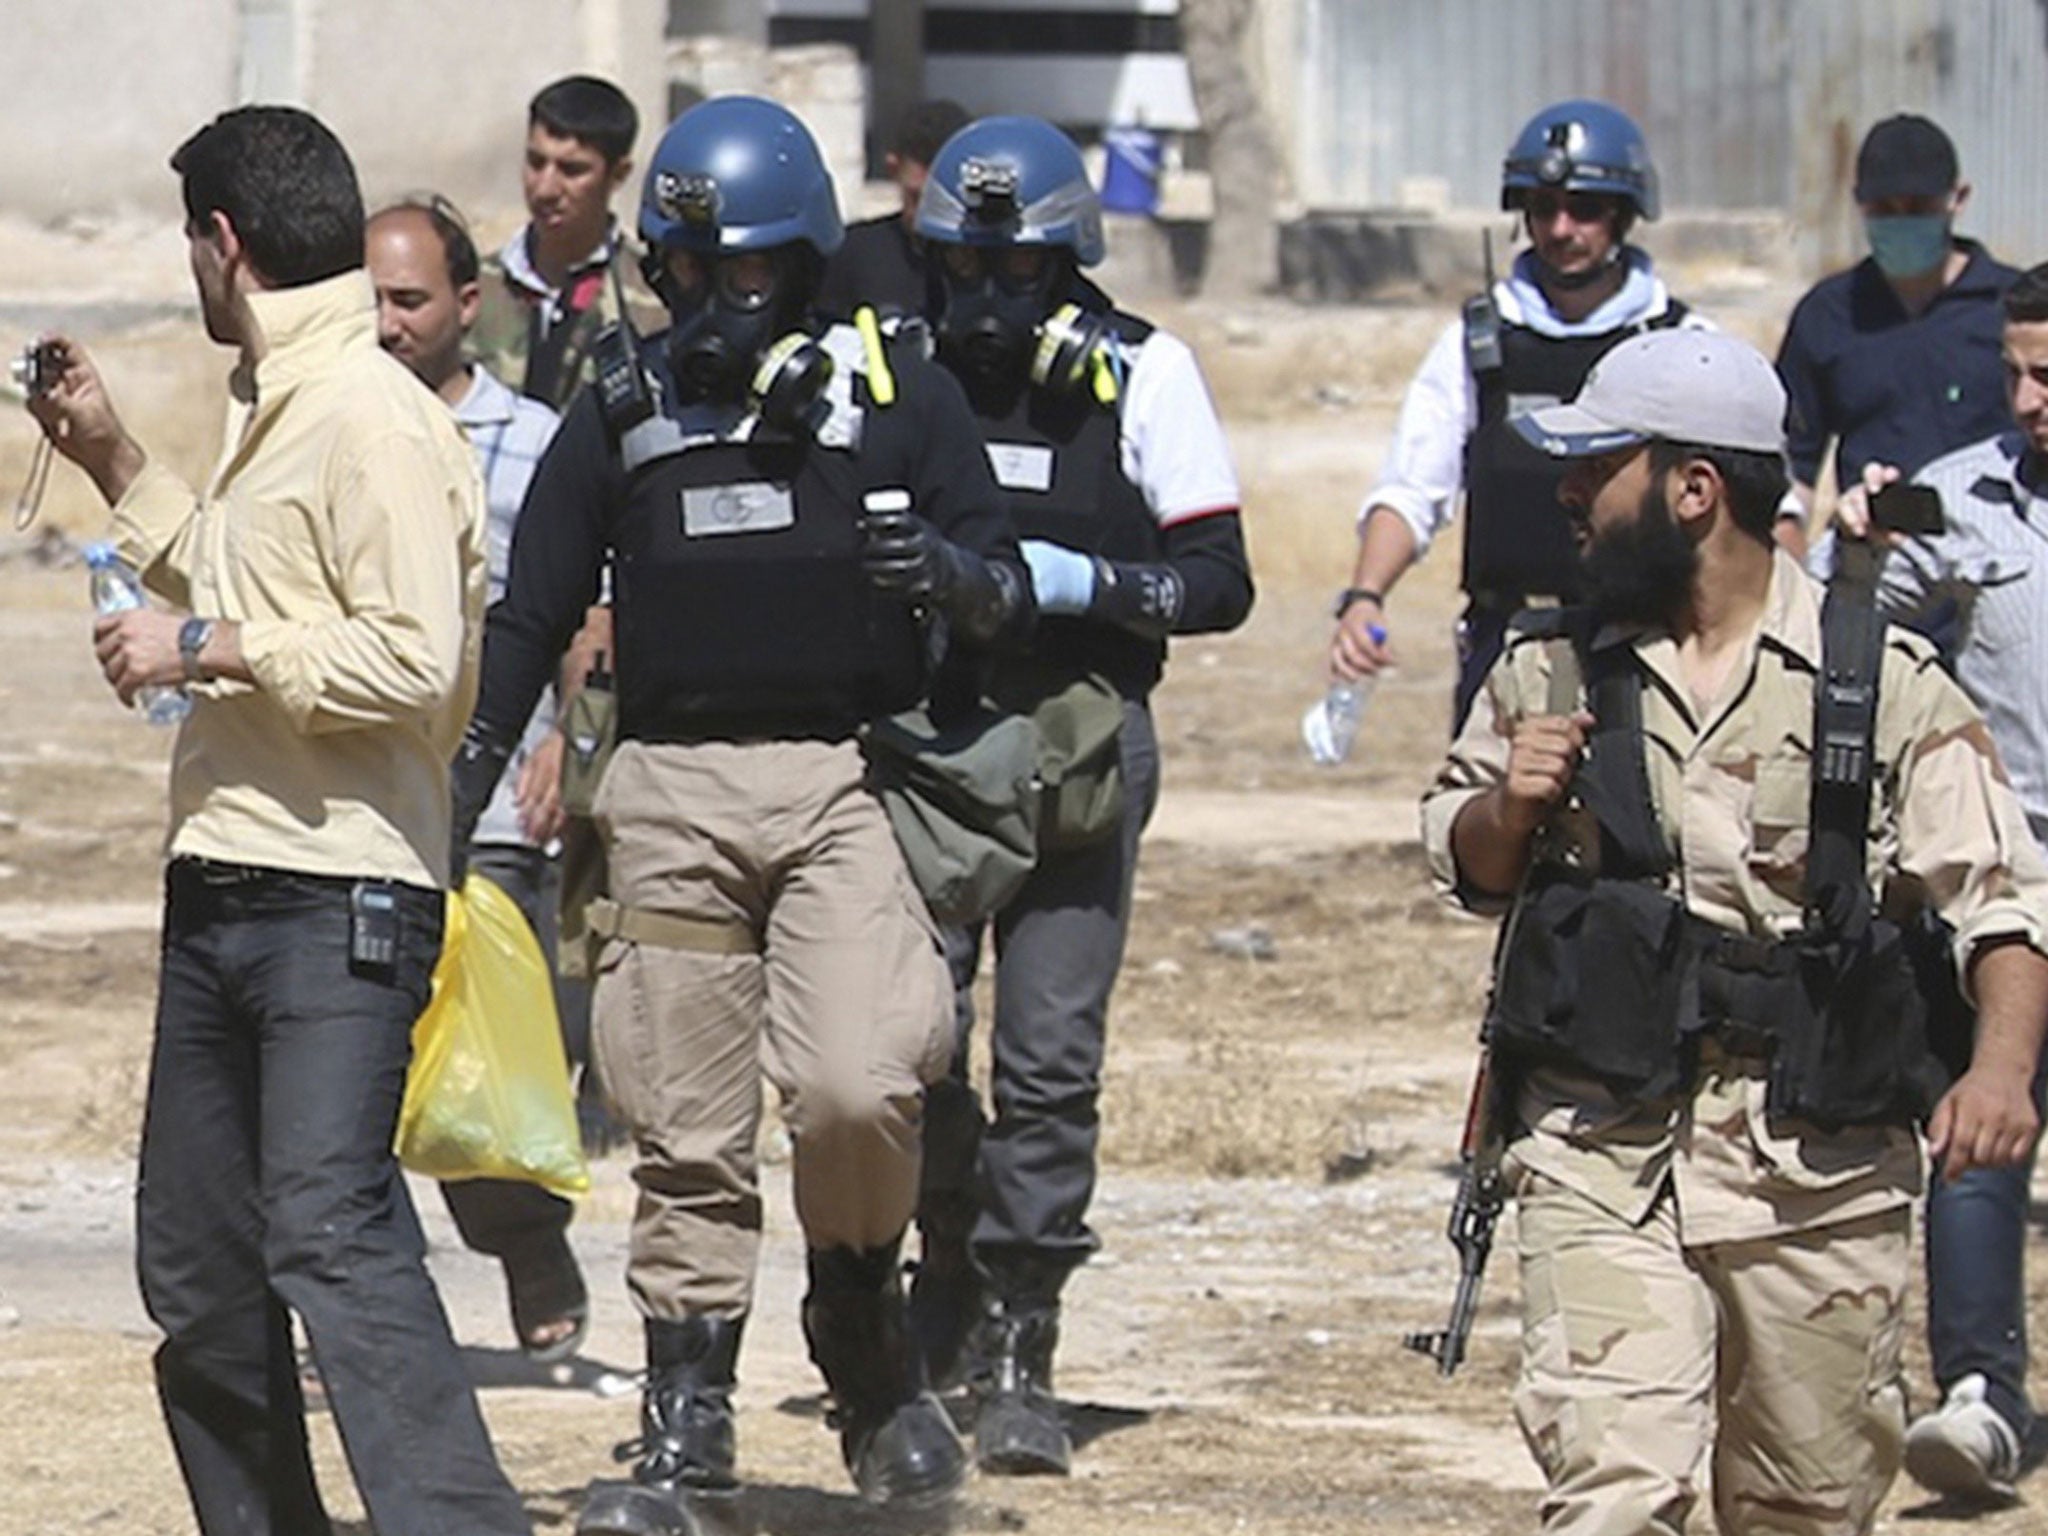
{"x":1613,"y":781}
{"x":1844,"y":755}
{"x":1566,"y":677}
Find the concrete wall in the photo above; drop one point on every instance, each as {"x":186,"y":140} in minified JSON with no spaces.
{"x":821,"y":83}
{"x":434,"y":95}
{"x":95,"y":94}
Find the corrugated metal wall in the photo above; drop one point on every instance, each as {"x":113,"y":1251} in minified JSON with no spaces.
{"x":1747,"y":103}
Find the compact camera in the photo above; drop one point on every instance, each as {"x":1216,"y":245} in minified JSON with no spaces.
{"x":37,"y":367}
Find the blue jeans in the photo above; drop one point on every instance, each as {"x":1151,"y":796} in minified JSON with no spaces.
{"x":1976,"y":1281}
{"x":268,"y":1186}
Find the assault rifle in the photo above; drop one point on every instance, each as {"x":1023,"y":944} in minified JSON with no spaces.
{"x":1475,"y":1211}
{"x":1476,"y":1208}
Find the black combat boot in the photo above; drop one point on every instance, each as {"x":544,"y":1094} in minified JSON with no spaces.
{"x":898,"y":1443}
{"x":947,"y":1299}
{"x":686,"y":1418}
{"x":628,"y":1509}
{"x":1018,"y":1430}
{"x":685,"y":1447}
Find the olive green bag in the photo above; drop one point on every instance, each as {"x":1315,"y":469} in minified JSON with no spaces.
{"x":1080,"y":759}
{"x":963,"y":801}
{"x":590,"y":728}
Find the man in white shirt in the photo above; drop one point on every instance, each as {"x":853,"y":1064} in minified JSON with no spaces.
{"x":1580,"y":176}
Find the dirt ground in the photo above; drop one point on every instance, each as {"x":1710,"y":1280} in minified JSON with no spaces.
{"x":1278,"y":1135}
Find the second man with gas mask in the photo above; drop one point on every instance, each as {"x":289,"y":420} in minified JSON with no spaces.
{"x":762,"y":917}
{"x":1102,"y":432}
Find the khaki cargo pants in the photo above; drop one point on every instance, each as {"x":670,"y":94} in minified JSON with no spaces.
{"x":1633,"y":1348}
{"x":835,"y":988}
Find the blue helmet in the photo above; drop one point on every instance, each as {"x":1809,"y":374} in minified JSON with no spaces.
{"x":738,"y":173}
{"x":1012,"y":181}
{"x":1581,"y":146}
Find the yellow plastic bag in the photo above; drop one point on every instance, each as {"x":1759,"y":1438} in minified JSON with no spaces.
{"x":488,"y":1094}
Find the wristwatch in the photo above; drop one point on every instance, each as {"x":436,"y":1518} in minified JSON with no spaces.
{"x":192,"y":637}
{"x":1352,"y":595}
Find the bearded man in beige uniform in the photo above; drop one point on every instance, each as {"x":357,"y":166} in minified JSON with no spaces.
{"x":1706,"y":1274}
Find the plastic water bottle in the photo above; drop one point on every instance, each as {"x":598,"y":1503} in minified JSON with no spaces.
{"x":115,"y":589}
{"x":1331,"y":724}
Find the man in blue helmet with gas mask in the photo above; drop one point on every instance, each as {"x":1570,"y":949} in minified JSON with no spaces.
{"x":793,"y":514}
{"x":1101,"y":430}
{"x":1580,"y":176}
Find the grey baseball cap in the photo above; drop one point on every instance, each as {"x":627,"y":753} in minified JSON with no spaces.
{"x":1684,"y":386}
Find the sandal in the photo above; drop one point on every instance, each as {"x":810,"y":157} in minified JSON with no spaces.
{"x":546,"y":1291}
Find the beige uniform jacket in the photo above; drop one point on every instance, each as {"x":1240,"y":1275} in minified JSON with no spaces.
{"x":1730,"y":784}
{"x":343,"y":529}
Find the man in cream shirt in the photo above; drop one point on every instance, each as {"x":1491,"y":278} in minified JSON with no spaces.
{"x":327,"y":589}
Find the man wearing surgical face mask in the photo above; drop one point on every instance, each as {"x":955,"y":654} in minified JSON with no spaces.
{"x":1897,"y":358}
{"x":1902,"y":358}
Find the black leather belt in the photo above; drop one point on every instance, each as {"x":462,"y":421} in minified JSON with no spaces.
{"x":219,"y":873}
{"x":1496,"y":601}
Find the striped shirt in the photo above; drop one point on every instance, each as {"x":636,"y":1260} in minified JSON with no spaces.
{"x":1993,"y":563}
{"x":508,"y":433}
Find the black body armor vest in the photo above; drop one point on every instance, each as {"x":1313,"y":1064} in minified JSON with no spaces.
{"x":1059,"y":460}
{"x":741,"y":609}
{"x":1517,"y":540}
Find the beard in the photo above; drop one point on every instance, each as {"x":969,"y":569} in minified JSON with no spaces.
{"x":1640,"y":572}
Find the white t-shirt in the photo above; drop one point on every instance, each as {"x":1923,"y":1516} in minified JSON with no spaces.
{"x":1171,"y":444}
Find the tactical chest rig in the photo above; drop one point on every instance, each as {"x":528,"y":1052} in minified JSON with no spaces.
{"x":1858,"y":1017}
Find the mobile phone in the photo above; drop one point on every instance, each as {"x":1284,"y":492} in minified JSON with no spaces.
{"x":1903,"y":508}
{"x":372,"y":929}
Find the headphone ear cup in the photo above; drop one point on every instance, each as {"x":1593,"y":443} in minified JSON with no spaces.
{"x":788,"y":386}
{"x":1067,"y":342}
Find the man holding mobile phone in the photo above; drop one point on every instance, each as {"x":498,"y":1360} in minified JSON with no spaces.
{"x":1986,"y":560}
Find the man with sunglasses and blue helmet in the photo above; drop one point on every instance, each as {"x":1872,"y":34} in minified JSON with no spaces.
{"x":1580,"y":175}
{"x":1101,"y":430}
{"x":793,"y":514}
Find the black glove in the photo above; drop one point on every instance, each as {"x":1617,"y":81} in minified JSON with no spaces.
{"x":479,"y":764}
{"x":1145,"y":599}
{"x":904,"y":554}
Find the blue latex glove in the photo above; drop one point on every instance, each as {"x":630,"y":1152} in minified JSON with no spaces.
{"x":1062,"y":578}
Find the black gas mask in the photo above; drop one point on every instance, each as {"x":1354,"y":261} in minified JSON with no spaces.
{"x":1001,"y":316}
{"x":993,"y":298}
{"x":736,"y":337}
